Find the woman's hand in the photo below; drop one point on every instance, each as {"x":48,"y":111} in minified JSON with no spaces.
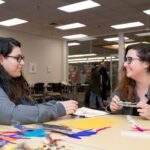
{"x":144,"y":110}
{"x":114,"y":106}
{"x":70,"y":106}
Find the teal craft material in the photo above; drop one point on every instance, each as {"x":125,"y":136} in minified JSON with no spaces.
{"x":36,"y":133}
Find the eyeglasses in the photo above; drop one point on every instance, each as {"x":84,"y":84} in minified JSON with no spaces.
{"x":129,"y":60}
{"x":18,"y":58}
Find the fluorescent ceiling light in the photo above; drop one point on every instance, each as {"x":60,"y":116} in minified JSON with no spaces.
{"x":114,"y":39}
{"x":129,"y":40}
{"x":77,"y":59}
{"x":79,"y":6}
{"x":71,"y":26}
{"x":88,"y":38}
{"x":147,"y":11}
{"x":107,"y":60}
{"x":96,"y":58}
{"x":73,"y":44}
{"x":91,"y":58}
{"x":12,"y":22}
{"x":143,"y":34}
{"x":111,"y":46}
{"x":1,"y":1}
{"x":76,"y":62}
{"x":81,"y":55}
{"x":75,"y":36}
{"x":136,"y":43}
{"x":127,"y":25}
{"x":84,"y":61}
{"x":91,"y":61}
{"x":116,"y":46}
{"x":110,"y":57}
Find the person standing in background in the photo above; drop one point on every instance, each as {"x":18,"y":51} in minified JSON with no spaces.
{"x":87,"y":91}
{"x":74,"y":76}
{"x":95,"y":87}
{"x":105,"y":81}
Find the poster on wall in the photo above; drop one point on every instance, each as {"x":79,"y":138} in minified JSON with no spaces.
{"x":49,"y":68}
{"x":32,"y":68}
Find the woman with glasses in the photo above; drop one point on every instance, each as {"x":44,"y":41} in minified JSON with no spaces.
{"x":133,"y":93}
{"x":16,"y":105}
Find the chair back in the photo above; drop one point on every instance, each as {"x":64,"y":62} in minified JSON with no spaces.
{"x":39,"y":88}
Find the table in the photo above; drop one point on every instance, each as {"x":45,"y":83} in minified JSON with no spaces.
{"x":109,"y":139}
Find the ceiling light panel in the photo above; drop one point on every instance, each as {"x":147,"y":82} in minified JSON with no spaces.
{"x":81,"y":55}
{"x":73,"y":44}
{"x":79,"y":6}
{"x":127,"y":25}
{"x":143,"y":34}
{"x":70,"y":26}
{"x":96,"y":58}
{"x":88,"y":38}
{"x":77,"y":59}
{"x":75,"y":36}
{"x":12,"y":22}
{"x":147,"y":11}
{"x":114,"y":39}
{"x":2,"y":2}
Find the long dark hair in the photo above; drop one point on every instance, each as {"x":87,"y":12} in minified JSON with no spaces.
{"x":15,"y":88}
{"x":127,"y":85}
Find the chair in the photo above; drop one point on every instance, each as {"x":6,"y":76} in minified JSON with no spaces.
{"x":39,"y":92}
{"x":57,"y":87}
{"x":39,"y":88}
{"x":49,"y":87}
{"x":53,"y":89}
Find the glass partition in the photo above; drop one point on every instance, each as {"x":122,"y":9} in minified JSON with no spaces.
{"x":85,"y":57}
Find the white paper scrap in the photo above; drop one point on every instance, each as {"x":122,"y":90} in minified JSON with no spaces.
{"x":135,"y":134}
{"x":87,"y":112}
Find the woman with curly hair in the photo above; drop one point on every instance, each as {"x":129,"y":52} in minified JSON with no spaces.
{"x":134,"y":83}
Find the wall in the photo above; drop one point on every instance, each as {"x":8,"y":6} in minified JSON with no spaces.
{"x":43,"y":52}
